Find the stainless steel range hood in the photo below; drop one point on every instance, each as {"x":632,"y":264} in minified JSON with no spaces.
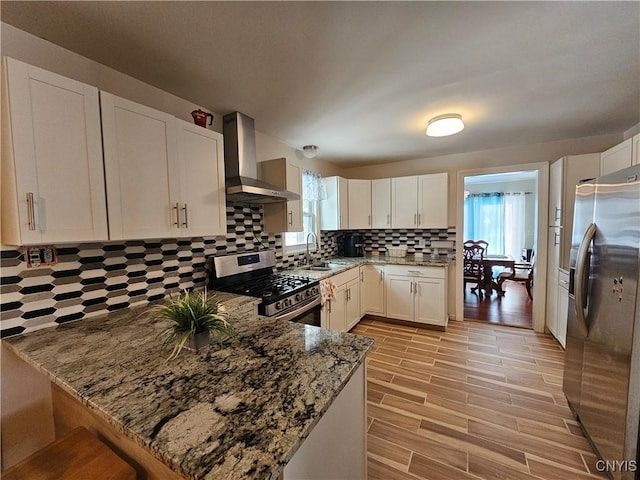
{"x":241,"y":167}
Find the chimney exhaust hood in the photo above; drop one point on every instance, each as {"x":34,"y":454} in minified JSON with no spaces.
{"x":241,"y":166}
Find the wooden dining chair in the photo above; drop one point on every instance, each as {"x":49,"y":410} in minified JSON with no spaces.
{"x":522,"y":273}
{"x":473,"y":254}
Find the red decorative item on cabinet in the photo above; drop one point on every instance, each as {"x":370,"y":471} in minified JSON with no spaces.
{"x":200,"y":118}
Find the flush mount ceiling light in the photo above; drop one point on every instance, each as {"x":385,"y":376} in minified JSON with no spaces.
{"x":444,"y":125}
{"x":310,"y":151}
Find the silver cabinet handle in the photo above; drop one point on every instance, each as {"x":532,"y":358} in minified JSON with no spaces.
{"x":31,"y":213}
{"x":415,"y":218}
{"x":369,"y":220}
{"x":291,"y":217}
{"x":362,"y":276}
{"x":340,"y":222}
{"x":411,"y":287}
{"x":381,"y":274}
{"x":388,"y":219}
{"x":558,"y":214}
{"x":186,"y":216}
{"x":415,"y":271}
{"x":556,"y":239}
{"x":176,"y":207}
{"x":419,"y":218}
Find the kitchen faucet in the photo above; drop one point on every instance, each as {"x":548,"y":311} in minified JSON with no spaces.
{"x":307,"y":255}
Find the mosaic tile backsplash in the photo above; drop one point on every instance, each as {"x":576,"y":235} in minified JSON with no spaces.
{"x":92,"y":279}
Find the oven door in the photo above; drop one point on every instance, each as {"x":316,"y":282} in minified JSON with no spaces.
{"x":307,"y":313}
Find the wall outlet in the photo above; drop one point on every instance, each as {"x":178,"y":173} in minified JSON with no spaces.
{"x":40,"y":256}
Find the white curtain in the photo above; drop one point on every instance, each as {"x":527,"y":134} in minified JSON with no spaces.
{"x":515,"y":230}
{"x":312,"y":186}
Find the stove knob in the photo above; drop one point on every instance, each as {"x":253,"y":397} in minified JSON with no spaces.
{"x":278,"y":305}
{"x":298,"y":297}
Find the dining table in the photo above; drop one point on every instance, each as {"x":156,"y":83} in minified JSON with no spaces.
{"x":490,"y":261}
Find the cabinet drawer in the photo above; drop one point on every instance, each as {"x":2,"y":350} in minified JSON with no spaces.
{"x":563,"y":278}
{"x":344,"y":277}
{"x":427,"y":272}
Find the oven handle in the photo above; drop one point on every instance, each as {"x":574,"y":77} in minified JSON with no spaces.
{"x":293,"y":314}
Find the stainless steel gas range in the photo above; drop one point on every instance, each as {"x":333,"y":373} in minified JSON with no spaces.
{"x":287,"y":297}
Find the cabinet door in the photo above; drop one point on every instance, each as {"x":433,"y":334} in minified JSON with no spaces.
{"x":201,"y":155}
{"x":294,"y":207}
{"x":430,"y":301}
{"x":617,"y":158}
{"x":381,"y":203}
{"x":404,"y":202}
{"x":53,"y":180}
{"x":334,"y":210}
{"x":399,"y":297}
{"x":563,"y":306}
{"x":552,"y":302}
{"x":359,"y":204}
{"x":372,"y":289}
{"x":142,"y":171}
{"x":433,"y":201}
{"x":338,"y":309}
{"x":343,"y":203}
{"x":636,"y":149}
{"x":555,"y":192}
{"x":353,"y":304}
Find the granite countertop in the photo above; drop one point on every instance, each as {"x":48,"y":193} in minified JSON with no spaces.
{"x":341,"y":264}
{"x":234,"y":412}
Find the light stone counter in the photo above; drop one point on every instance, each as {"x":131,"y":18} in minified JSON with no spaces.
{"x":341,"y":264}
{"x":239,"y":411}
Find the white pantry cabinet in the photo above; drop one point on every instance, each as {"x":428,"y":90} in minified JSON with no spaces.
{"x":420,"y":201}
{"x":617,"y":157}
{"x":334,"y":210}
{"x":381,"y":203}
{"x":372,"y":290}
{"x":286,"y":216}
{"x":52,"y":172}
{"x":164,"y":179}
{"x":417,"y":294}
{"x":359,"y":204}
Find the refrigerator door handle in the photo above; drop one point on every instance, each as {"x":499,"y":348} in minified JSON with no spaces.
{"x":581,"y":277}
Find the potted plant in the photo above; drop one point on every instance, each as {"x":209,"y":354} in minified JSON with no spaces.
{"x":195,"y":319}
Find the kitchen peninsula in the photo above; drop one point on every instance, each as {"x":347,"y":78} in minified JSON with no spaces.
{"x":246,"y":410}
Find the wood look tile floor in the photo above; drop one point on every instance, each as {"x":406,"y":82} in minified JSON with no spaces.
{"x":515,"y":308}
{"x":479,"y":401}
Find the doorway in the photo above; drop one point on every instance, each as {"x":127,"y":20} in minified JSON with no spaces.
{"x":506,"y":207}
{"x":499,"y":211}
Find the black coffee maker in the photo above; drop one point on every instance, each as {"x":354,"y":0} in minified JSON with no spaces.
{"x":353,"y":245}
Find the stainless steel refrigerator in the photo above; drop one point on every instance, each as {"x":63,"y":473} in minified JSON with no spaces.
{"x":602,"y":359}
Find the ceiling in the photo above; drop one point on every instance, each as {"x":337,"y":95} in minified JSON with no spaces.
{"x":362,"y":79}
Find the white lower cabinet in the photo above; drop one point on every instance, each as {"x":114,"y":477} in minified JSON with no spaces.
{"x":417,"y":294}
{"x":372,"y":290}
{"x":342,"y":313}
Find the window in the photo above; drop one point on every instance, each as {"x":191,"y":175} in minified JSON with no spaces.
{"x":311,"y":194}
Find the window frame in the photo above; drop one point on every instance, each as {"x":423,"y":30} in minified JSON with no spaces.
{"x":302,"y":247}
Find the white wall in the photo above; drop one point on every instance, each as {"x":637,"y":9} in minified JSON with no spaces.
{"x":500,"y":157}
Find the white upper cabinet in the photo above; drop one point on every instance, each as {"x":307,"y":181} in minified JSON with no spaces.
{"x":334,"y":210}
{"x":404,"y":202}
{"x":636,"y":149}
{"x":359,"y":204}
{"x":617,"y":158}
{"x":433,"y":200}
{"x":52,"y":172}
{"x":142,"y":172}
{"x":420,"y":201}
{"x":201,"y":157}
{"x":165,"y":177}
{"x":286,"y":216}
{"x":381,"y":203}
